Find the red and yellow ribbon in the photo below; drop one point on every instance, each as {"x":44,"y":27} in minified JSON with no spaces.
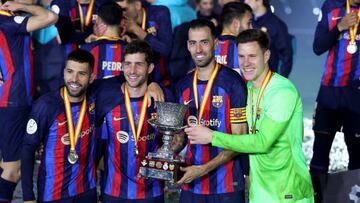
{"x":136,"y":132}
{"x":85,"y":23}
{"x":73,"y":135}
{"x":5,"y":13}
{"x":262,"y":89}
{"x":353,"y":29}
{"x":207,"y":90}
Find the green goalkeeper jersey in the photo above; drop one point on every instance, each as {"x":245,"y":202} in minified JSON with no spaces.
{"x":278,"y":171}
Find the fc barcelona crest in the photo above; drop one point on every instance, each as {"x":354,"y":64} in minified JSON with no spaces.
{"x":92,"y":108}
{"x":217,"y":101}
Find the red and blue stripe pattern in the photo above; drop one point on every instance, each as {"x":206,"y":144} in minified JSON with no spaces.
{"x":122,"y":166}
{"x":226,"y":52}
{"x":340,"y":67}
{"x":58,"y":178}
{"x":108,"y":56}
{"x":227,"y":177}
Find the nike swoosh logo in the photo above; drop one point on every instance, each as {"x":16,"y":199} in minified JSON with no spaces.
{"x":118,"y":118}
{"x":336,"y":18}
{"x":187,"y":102}
{"x":62,"y":123}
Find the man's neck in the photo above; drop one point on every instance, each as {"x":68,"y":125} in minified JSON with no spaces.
{"x":228,"y":31}
{"x":140,"y":17}
{"x":204,"y":73}
{"x":260,"y":11}
{"x":135,"y":92}
{"x":112,"y":31}
{"x":259,"y":81}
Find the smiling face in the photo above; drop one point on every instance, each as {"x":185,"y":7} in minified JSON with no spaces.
{"x":136,"y":70}
{"x":202,"y":46}
{"x":77,"y":77}
{"x":253,"y":61}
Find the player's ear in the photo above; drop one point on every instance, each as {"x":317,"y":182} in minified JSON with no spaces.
{"x":267,"y":54}
{"x":151,"y":68}
{"x":216,"y":43}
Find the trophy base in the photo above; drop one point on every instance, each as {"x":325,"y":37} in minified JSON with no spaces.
{"x":168,"y":170}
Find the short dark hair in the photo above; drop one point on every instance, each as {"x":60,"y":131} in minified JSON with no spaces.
{"x":201,"y":23}
{"x":140,"y":46}
{"x":111,"y":13}
{"x":82,"y":56}
{"x":266,"y":3}
{"x":254,"y":35}
{"x":233,"y":10}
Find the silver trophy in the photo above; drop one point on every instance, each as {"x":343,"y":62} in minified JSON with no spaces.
{"x":164,"y":164}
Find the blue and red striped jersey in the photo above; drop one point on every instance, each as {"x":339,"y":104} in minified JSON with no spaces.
{"x":108,"y":56}
{"x":69,"y":24}
{"x":340,"y":67}
{"x":158,"y":27}
{"x":57,"y":178}
{"x":121,"y":164}
{"x":225,"y":106}
{"x":16,"y":62}
{"x":226,"y":52}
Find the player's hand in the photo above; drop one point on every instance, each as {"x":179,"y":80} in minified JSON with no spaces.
{"x":99,"y":29}
{"x":199,"y":134}
{"x":191,"y":173}
{"x":348,"y":21}
{"x":155,"y":91}
{"x":12,"y":6}
{"x":91,"y":38}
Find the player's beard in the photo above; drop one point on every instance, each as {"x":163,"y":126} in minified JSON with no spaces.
{"x":80,"y":93}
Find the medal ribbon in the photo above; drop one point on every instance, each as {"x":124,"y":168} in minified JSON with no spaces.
{"x":73,"y":136}
{"x":108,"y":38}
{"x":263,"y":86}
{"x":88,"y":15}
{"x":143,"y":22}
{"x":136,"y":133}
{"x":353,"y":29}
{"x":207,"y":90}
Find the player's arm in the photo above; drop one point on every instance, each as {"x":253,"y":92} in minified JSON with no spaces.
{"x":326,"y":37}
{"x":161,"y":42}
{"x":35,"y":130}
{"x":40,"y":18}
{"x":273,"y":124}
{"x":284,"y":49}
{"x":193,"y":172}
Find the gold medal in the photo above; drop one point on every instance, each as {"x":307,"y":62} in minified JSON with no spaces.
{"x":72,"y":157}
{"x":73,"y":134}
{"x":351,"y":48}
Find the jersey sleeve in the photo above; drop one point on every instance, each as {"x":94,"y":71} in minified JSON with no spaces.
{"x":325,"y":36}
{"x":36,"y":129}
{"x":13,"y":24}
{"x":238,"y":101}
{"x":66,"y":29}
{"x":276,"y":118}
{"x":161,"y":42}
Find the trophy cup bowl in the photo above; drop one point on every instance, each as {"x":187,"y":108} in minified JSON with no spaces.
{"x":164,"y":164}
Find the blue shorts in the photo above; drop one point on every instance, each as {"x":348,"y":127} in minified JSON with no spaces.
{"x":338,"y":107}
{"x":189,"y":197}
{"x":88,"y":197}
{"x":12,"y":130}
{"x":109,"y":199}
